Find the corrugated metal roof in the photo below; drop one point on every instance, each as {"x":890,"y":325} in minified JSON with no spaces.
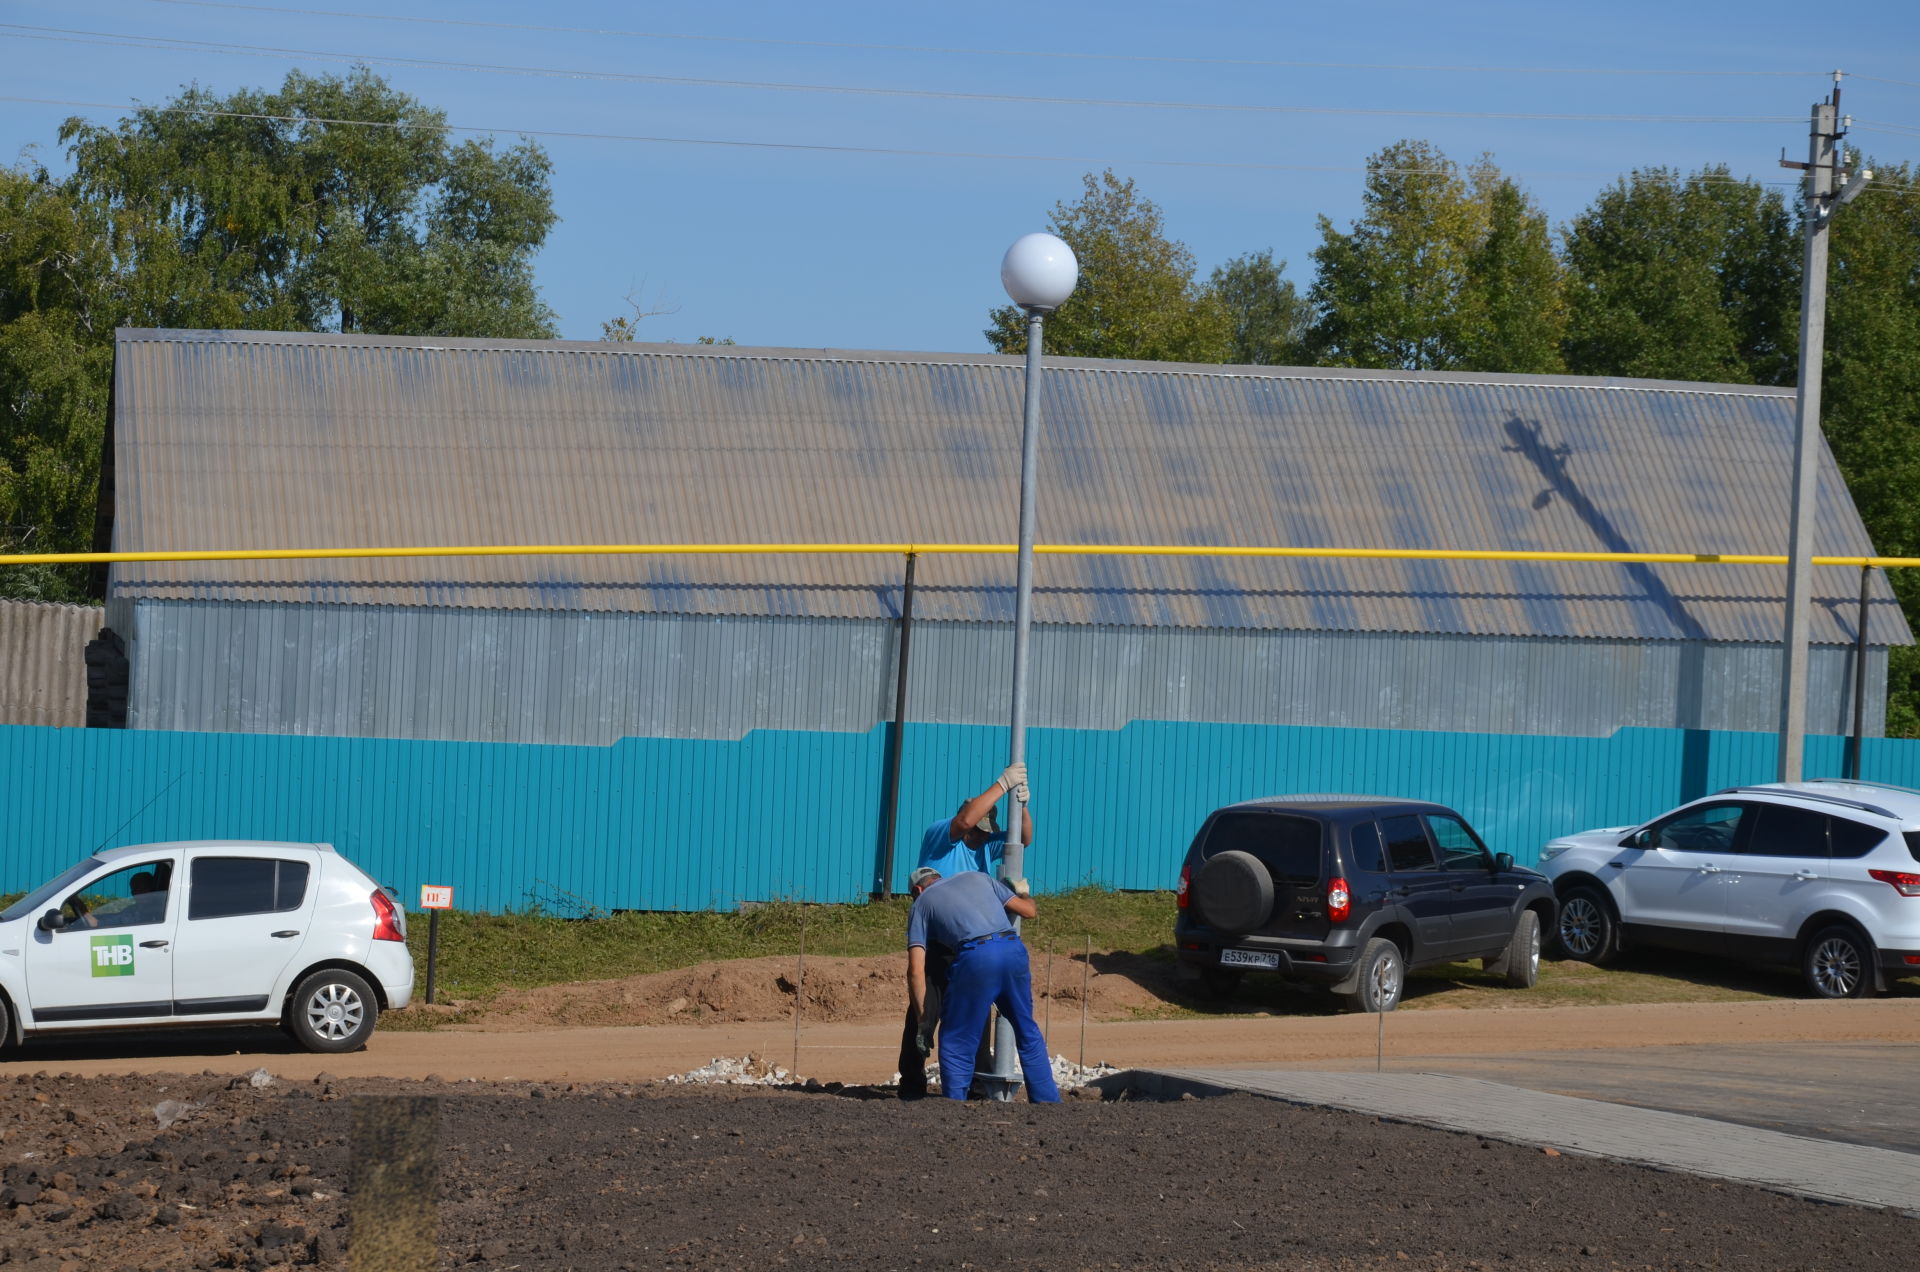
{"x":43,"y":667}
{"x":242,"y":439}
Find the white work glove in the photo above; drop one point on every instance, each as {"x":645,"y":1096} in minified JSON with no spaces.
{"x":1019,"y":887}
{"x":1021,"y":794}
{"x":1011,"y":776}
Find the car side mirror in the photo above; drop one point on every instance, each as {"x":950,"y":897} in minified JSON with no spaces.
{"x":1503,"y":861}
{"x":51,"y":921}
{"x":1638,"y":839}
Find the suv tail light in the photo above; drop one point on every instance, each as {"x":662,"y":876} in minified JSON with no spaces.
{"x":386,"y":919}
{"x":1339,"y":900}
{"x":1907,"y":885}
{"x":1186,"y":881}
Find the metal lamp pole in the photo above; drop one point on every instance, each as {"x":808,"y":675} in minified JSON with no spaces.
{"x":1039,"y":273}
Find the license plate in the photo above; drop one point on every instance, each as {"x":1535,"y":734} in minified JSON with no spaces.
{"x":1248,"y":958}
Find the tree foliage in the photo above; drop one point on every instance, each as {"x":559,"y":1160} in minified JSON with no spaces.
{"x":263,"y":210}
{"x":1692,"y":278}
{"x":1137,"y":297}
{"x":267,"y":209}
{"x":1268,"y":316}
{"x":1441,"y":271}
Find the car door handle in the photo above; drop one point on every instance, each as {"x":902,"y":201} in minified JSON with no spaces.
{"x":1709,"y":869}
{"x":1805,"y":874}
{"x":287,"y":932}
{"x":153,"y":945}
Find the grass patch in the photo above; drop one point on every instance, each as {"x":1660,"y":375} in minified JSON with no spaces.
{"x":481,"y":954}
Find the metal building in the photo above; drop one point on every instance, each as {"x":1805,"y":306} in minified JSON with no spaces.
{"x":270,"y":440}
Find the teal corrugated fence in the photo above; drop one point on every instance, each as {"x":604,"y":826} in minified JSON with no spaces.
{"x":666,"y":824}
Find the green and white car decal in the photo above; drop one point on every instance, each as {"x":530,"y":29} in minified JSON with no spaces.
{"x":113,"y":955}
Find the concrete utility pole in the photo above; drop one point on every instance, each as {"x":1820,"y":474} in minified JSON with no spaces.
{"x":1827,"y":187}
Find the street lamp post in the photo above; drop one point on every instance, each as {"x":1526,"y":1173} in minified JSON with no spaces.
{"x":1039,"y":273}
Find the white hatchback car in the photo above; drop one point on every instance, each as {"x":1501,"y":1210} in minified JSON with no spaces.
{"x":1824,"y":875}
{"x":206,"y":933}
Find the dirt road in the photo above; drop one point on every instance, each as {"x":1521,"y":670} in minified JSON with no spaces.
{"x":864,"y":1051}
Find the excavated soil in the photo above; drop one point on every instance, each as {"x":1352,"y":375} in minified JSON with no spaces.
{"x":258,"y":1174}
{"x":830,"y":990}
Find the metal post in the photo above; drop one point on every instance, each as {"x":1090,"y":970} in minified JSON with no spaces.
{"x":433,"y":948}
{"x":1813,"y":327}
{"x":1860,"y":675}
{"x":890,"y":801}
{"x":1013,"y":863}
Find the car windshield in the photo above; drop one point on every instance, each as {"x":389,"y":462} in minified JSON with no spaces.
{"x":52,"y":892}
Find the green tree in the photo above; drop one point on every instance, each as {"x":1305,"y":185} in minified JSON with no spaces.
{"x":1691,"y":278}
{"x":261,"y":210}
{"x":1270,"y":319}
{"x":1870,"y":395}
{"x":1441,"y":271}
{"x":1137,"y":296}
{"x":334,"y":204}
{"x":59,"y":304}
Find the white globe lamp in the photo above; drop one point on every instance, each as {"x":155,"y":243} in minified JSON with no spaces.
{"x":1039,"y":272}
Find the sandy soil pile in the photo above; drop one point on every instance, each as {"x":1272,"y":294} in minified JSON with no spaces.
{"x":830,"y":990}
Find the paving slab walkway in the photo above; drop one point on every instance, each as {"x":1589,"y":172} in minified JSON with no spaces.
{"x":1847,"y":1173}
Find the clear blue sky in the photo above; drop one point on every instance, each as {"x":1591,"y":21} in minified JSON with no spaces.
{"x":818,"y":248}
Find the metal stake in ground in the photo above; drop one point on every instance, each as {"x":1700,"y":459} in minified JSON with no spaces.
{"x":394,"y":1184}
{"x":799,"y":992}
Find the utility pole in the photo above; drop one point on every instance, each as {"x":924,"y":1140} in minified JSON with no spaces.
{"x":1827,"y":187}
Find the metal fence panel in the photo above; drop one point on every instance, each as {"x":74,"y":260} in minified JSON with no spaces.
{"x":694,"y":824}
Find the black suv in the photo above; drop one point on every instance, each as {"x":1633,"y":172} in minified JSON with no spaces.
{"x":1352,"y":891}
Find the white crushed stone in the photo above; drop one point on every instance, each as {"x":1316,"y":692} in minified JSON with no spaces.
{"x":260,"y":1079}
{"x":1067,"y":1075}
{"x":752,"y":1070}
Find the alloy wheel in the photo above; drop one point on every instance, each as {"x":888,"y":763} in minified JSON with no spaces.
{"x":335,"y":1011}
{"x":1835,"y":967}
{"x":1580,"y":927}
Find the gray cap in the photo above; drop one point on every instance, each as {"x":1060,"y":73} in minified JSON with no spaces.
{"x":922,"y":876}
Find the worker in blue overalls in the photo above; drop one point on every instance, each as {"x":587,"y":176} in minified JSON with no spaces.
{"x":971,"y":914}
{"x":971,"y":839}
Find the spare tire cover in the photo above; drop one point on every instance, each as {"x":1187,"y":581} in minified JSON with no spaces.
{"x":1233,"y":893}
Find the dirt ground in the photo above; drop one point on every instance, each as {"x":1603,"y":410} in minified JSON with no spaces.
{"x":629,"y":1177}
{"x":559,"y":1145}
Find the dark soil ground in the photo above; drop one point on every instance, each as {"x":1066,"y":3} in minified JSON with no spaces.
{"x":540,"y":1177}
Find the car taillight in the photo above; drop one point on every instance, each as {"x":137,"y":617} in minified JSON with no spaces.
{"x":386,"y":919}
{"x":1907,"y":885}
{"x":1339,"y":901}
{"x":1186,"y":878}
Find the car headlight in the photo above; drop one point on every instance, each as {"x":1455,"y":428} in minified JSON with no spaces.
{"x":1551,"y":851}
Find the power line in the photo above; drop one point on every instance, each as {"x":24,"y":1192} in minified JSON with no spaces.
{"x":897,"y":152}
{"x":69,"y":35}
{"x":975,"y":52}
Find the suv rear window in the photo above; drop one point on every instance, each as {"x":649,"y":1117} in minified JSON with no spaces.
{"x":1913,"y":843}
{"x":1407,"y":845}
{"x":1779,"y":831}
{"x":1851,"y":839}
{"x":223,"y":887}
{"x":1288,"y":846}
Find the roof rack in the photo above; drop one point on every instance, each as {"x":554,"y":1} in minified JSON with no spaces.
{"x":1861,"y":781}
{"x":1862,"y":805}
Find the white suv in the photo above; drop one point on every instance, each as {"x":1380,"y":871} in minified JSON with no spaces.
{"x":206,"y":933}
{"x":1824,"y":875}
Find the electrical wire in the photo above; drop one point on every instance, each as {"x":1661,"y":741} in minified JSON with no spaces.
{"x":899,"y":152}
{"x":976,"y":52}
{"x":69,"y":35}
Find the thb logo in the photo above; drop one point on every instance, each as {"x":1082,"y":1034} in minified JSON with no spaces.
{"x":113,"y":955}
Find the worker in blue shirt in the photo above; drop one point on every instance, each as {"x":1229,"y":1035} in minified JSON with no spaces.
{"x":969,"y":913}
{"x":969,"y":840}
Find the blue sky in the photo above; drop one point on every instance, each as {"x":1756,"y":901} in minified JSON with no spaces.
{"x":843,"y":249}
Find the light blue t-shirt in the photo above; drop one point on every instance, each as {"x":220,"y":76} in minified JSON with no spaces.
{"x":952,"y":856}
{"x":959,"y":908}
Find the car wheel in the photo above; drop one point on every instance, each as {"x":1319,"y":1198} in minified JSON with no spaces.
{"x":333,"y":1010}
{"x":1220,"y":982}
{"x":1522,"y":959}
{"x":1838,"y":963}
{"x":1587,"y":930}
{"x":1382,"y":976}
{"x":6,"y":1025}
